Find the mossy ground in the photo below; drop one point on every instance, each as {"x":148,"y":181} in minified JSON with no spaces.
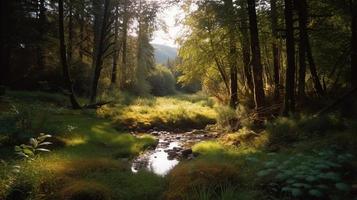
{"x":90,"y":158}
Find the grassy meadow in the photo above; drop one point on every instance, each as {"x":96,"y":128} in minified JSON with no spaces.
{"x":92,"y":149}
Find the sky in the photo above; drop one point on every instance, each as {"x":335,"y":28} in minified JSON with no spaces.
{"x":169,"y":17}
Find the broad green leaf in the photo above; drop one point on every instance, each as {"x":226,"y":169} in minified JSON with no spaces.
{"x":342,"y":186}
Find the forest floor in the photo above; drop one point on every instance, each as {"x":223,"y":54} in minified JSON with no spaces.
{"x":92,"y":151}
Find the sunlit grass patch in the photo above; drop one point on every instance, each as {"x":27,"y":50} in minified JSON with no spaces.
{"x":162,"y":112}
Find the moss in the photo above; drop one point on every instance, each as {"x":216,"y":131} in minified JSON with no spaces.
{"x":85,"y":190}
{"x":188,"y":177}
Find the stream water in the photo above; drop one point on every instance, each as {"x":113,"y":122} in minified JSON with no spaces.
{"x":171,"y":148}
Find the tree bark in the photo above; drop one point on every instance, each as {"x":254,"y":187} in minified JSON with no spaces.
{"x":302,"y":47}
{"x":4,"y":39}
{"x":232,"y":55}
{"x":116,"y":49}
{"x":124,"y":45}
{"x":289,"y":104}
{"x":245,"y":47}
{"x":259,"y":96}
{"x":66,"y":74}
{"x":353,"y":43}
{"x":70,"y":33}
{"x":41,"y":30}
{"x":99,"y":53}
{"x":276,"y":56}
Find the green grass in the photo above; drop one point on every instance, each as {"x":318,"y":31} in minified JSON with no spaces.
{"x":91,"y":155}
{"x":94,"y":153}
{"x":180,"y":111}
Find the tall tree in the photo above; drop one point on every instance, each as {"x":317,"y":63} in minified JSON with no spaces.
{"x":65,"y":69}
{"x":124,"y":43}
{"x":353,"y":4}
{"x":102,"y":29}
{"x":289,"y":105}
{"x":41,"y":33}
{"x":302,"y":47}
{"x":116,"y":47}
{"x":259,"y":96}
{"x":276,"y":51}
{"x":245,"y":46}
{"x":304,"y":37}
{"x":232,"y":52}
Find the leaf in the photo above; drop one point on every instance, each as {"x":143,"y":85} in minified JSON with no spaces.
{"x":44,"y":143}
{"x":33,"y":142}
{"x":342,"y":187}
{"x":43,"y":149}
{"x":315,"y":193}
{"x":310,"y":179}
{"x":263,"y":173}
{"x":28,"y":152}
{"x":296,"y":192}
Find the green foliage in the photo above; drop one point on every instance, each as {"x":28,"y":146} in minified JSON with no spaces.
{"x":162,"y":81}
{"x":35,"y":145}
{"x":286,"y":130}
{"x":318,"y":175}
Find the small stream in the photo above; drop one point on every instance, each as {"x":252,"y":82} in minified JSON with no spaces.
{"x":171,"y":148}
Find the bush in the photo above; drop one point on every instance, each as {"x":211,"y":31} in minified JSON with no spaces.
{"x":162,"y":81}
{"x":286,"y":130}
{"x":320,"y":175}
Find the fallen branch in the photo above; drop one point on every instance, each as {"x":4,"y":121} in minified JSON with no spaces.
{"x":96,"y":105}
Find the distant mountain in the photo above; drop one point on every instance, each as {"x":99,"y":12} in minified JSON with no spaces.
{"x":164,"y":52}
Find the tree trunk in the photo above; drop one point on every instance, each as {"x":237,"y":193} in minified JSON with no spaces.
{"x":70,"y":33}
{"x":245,"y":48}
{"x":124,"y":45}
{"x":99,"y":52}
{"x":289,"y":105}
{"x":66,"y":75}
{"x":259,"y":96}
{"x":232,"y":54}
{"x":354,"y":43}
{"x":302,"y":47}
{"x":116,"y":49}
{"x":4,"y":39}
{"x":41,"y":29}
{"x":303,"y":14}
{"x":276,"y":56}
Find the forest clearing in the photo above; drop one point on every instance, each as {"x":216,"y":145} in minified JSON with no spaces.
{"x":178,"y":100}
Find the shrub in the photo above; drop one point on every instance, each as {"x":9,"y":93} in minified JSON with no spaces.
{"x":162,"y":81}
{"x":317,"y":175}
{"x":226,"y":117}
{"x":286,"y":130}
{"x":85,"y":190}
{"x":185,"y":179}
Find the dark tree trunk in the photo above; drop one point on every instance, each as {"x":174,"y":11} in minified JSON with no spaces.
{"x":70,"y":33}
{"x":116,"y":48}
{"x":66,"y":75}
{"x":245,"y":47}
{"x":302,"y":47}
{"x":41,"y":29}
{"x":290,"y":51}
{"x":354,"y":43}
{"x":276,"y":56}
{"x":100,"y":51}
{"x":124,"y":45}
{"x":259,"y":96}
{"x":6,"y":8}
{"x":232,"y":55}
{"x":313,"y":70}
{"x":303,"y":14}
